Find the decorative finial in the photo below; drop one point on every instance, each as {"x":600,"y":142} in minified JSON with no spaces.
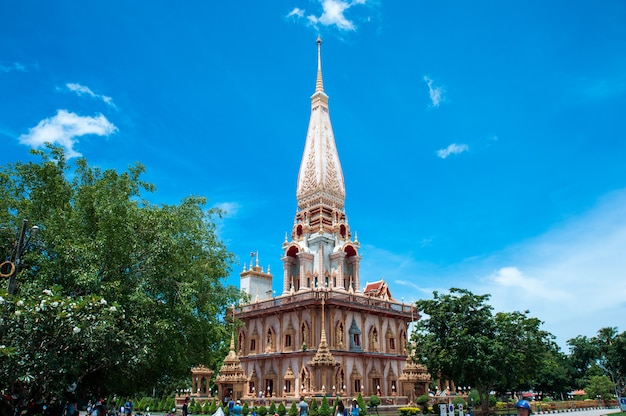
{"x":319,"y":85}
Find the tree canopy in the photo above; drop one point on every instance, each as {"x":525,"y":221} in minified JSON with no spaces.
{"x":115,"y":294}
{"x":602,"y":355}
{"x":461,"y":340}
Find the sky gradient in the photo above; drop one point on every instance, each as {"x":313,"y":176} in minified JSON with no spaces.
{"x":482,"y":144}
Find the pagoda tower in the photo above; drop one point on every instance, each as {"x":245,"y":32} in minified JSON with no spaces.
{"x":231,"y":380}
{"x":323,"y":335}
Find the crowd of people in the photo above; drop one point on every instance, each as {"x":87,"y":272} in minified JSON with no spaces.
{"x":100,"y":408}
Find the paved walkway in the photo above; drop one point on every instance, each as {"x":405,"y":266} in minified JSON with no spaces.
{"x":594,"y":412}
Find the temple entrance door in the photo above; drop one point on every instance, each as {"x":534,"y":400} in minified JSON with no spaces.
{"x":269,"y":387}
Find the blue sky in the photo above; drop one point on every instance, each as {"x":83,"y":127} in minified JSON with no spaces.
{"x":482,"y":143}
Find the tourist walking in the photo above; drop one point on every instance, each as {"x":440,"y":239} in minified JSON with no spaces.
{"x":303,"y":407}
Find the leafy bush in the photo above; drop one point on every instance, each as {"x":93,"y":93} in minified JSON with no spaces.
{"x":213,"y":407}
{"x":324,"y":409}
{"x":374,"y":400}
{"x":282,"y":410}
{"x":293,"y":410}
{"x":474,"y":398}
{"x":409,"y":411}
{"x":272,"y":409}
{"x":361,"y":403}
{"x":457,"y":401}
{"x":313,"y":407}
{"x":262,"y":411}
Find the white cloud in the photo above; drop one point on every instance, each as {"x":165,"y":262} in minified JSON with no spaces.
{"x":333,"y":14}
{"x":64,"y":129}
{"x":397,"y":268}
{"x":513,"y":279}
{"x":573,"y":277}
{"x":435,"y":92}
{"x":453,"y":149}
{"x":15,"y":67}
{"x":296,"y":12}
{"x":82,"y":90}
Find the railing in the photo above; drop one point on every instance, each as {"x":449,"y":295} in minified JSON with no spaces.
{"x":310,"y":296}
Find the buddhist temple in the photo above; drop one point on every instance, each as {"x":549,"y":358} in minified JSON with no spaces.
{"x":323,"y":334}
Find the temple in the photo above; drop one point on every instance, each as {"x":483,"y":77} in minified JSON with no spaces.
{"x":323,"y":334}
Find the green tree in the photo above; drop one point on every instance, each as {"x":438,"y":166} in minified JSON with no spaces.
{"x":282,"y":410}
{"x":374,"y":400}
{"x":463,"y":341}
{"x":133,"y":292}
{"x":213,"y":407}
{"x":422,"y":402}
{"x":324,"y":409}
{"x":553,"y":377}
{"x":272,"y":409}
{"x":245,"y":409}
{"x":293,"y":410}
{"x":583,"y":355}
{"x":610,"y":346}
{"x":361,"y":403}
{"x":604,"y":354}
{"x":600,"y":386}
{"x":262,"y":411}
{"x":313,"y":407}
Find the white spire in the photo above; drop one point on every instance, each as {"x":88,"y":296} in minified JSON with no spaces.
{"x":320,"y":180}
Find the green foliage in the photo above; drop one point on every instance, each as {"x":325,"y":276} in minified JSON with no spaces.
{"x":313,"y":407}
{"x":272,"y":409}
{"x":422,"y":400}
{"x":456,"y":401}
{"x":206,"y":407}
{"x":601,"y":386}
{"x":245,"y":409}
{"x":281,"y":410}
{"x":262,"y":411}
{"x":133,"y":292}
{"x":213,"y":406}
{"x":324,"y":409}
{"x":462,"y":340}
{"x":409,"y":411}
{"x":374,"y":400}
{"x":293,"y":410}
{"x":473,"y":398}
{"x":604,"y":354}
{"x":361,"y":403}
{"x":196,"y":409}
{"x":164,"y":405}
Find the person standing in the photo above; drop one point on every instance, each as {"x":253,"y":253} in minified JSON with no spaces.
{"x":186,"y":407}
{"x":303,"y":407}
{"x":237,"y":408}
{"x":341,"y":410}
{"x":355,"y":408}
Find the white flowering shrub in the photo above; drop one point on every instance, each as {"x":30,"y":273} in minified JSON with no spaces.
{"x":50,"y":341}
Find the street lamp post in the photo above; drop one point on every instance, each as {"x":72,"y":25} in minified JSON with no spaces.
{"x":11,"y":267}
